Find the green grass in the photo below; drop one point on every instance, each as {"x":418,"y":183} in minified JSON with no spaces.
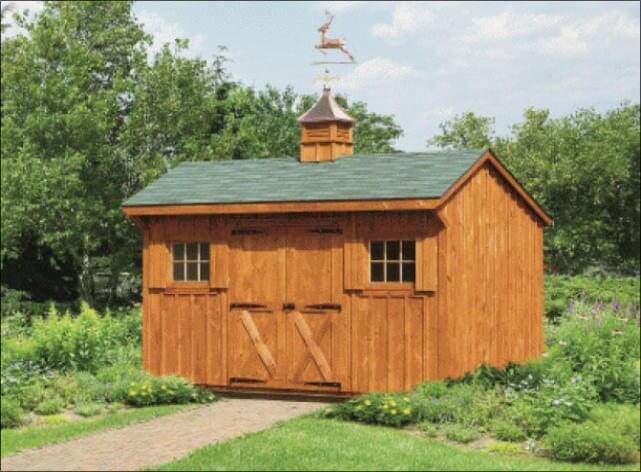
{"x":14,"y":440}
{"x":316,"y":444}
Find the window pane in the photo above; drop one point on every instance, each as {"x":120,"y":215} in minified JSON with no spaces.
{"x":408,"y":272}
{"x":393,"y":272}
{"x":393,"y":250}
{"x":376,"y":250}
{"x":192,"y":271}
{"x":179,"y":271}
{"x":192,"y":251}
{"x":204,"y":271}
{"x":204,"y":251}
{"x":409,"y":251}
{"x":179,"y":251}
{"x":377,"y":272}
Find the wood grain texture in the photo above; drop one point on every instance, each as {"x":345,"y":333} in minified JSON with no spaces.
{"x":478,"y":296}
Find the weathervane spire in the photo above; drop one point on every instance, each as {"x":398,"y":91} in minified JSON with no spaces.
{"x":325,"y":45}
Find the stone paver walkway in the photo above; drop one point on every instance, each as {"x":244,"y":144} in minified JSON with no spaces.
{"x":162,"y":439}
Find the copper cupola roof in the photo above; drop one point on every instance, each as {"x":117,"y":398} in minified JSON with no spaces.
{"x":326,"y":109}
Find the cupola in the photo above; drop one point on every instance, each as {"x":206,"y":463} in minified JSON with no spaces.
{"x":326,"y":131}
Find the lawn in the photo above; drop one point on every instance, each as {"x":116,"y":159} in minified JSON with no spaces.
{"x":319,"y":444}
{"x":14,"y":440}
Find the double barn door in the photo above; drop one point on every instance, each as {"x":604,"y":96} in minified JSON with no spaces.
{"x":287,"y":327}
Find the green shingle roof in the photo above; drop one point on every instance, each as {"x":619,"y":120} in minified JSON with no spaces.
{"x":359,"y":177}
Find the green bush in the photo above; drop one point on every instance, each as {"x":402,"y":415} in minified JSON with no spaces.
{"x":602,"y":345}
{"x":32,"y":394}
{"x":625,"y":420}
{"x":430,"y":430}
{"x":460,"y":433}
{"x":66,"y":343}
{"x":376,"y":408}
{"x":560,"y":290}
{"x":537,"y":409}
{"x":507,"y":431}
{"x":503,"y":448}
{"x":54,"y":420}
{"x":49,"y":407}
{"x":86,"y":342}
{"x":89,"y":409}
{"x":165,"y":390}
{"x":460,"y":402}
{"x":589,"y":442}
{"x":10,"y":413}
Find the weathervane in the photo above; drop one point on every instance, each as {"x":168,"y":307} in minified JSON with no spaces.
{"x":331,"y":43}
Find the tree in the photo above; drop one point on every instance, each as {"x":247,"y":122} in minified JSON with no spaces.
{"x":88,"y":119}
{"x":465,"y":131}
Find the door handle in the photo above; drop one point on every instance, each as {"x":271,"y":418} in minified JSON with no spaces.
{"x":289,"y":306}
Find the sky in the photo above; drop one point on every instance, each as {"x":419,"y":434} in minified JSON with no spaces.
{"x":424,"y":62}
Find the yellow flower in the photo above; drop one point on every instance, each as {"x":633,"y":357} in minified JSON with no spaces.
{"x":392,"y":402}
{"x":132,"y":393}
{"x":393,"y":412}
{"x":368,"y":402}
{"x":164,"y":387}
{"x":406,"y":399}
{"x":407,"y":411}
{"x":384,"y":407}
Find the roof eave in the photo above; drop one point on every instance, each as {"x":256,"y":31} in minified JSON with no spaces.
{"x":399,"y":204}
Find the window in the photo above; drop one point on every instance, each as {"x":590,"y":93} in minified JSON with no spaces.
{"x":190,"y":261}
{"x":392,"y":261}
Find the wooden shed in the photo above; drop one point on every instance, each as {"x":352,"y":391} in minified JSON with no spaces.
{"x":337,"y":272}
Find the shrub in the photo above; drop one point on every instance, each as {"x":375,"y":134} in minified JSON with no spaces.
{"x":589,"y":442}
{"x":560,"y":290}
{"x":603,"y":345}
{"x":54,"y":420}
{"x":89,"y":409}
{"x":460,"y":433}
{"x":429,"y":429}
{"x":49,"y":407}
{"x":462,"y":403}
{"x":503,"y":448}
{"x":10,"y":413}
{"x":165,"y":390}
{"x":32,"y":394}
{"x":65,"y":343}
{"x":507,"y":431}
{"x":376,"y":408}
{"x":536,"y":410}
{"x":622,"y":419}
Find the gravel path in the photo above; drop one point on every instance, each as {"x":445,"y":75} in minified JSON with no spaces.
{"x":162,"y":439}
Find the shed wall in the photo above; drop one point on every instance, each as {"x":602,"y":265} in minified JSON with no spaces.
{"x":491,"y":277}
{"x":478,"y":296}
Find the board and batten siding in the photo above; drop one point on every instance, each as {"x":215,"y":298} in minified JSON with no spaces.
{"x":491,"y":277}
{"x":478,"y":296}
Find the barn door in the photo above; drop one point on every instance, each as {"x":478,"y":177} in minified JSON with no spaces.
{"x":256,"y":327}
{"x":317,"y":335}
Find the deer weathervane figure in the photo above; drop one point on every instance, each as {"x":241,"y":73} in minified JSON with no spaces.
{"x":331,"y":43}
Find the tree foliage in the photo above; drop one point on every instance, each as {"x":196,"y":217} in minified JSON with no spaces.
{"x":583,"y":169}
{"x":89,"y":118}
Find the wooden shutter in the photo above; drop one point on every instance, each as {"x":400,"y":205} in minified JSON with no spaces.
{"x":355,"y":266}
{"x":218,"y":254}
{"x":159,"y":262}
{"x":427,"y":258}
